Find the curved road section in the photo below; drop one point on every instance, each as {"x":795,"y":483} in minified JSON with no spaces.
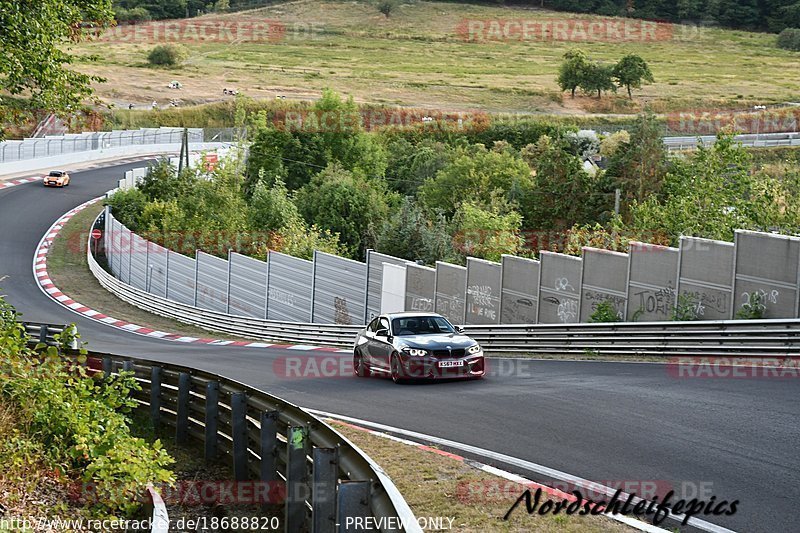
{"x":630,"y":425}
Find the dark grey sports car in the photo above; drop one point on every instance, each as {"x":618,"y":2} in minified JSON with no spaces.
{"x":416,"y":346}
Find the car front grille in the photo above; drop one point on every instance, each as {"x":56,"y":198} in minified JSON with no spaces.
{"x":449,"y":354}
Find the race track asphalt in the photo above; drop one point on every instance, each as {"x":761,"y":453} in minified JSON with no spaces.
{"x":608,"y":422}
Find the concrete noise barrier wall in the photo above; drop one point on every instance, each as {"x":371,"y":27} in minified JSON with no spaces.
{"x":340,"y":290}
{"x":247,"y":294}
{"x":181,"y":278}
{"x":393,"y":297}
{"x":767,"y":266}
{"x":559,"y":291}
{"x":212,"y":282}
{"x":157,"y":269}
{"x":484,"y":281}
{"x":520,"y":290}
{"x":138,"y":262}
{"x":375,"y":263}
{"x":604,"y":279}
{"x":653,"y":272}
{"x":420,"y":288}
{"x":290,"y":285}
{"x":451,"y":291}
{"x":705,"y":277}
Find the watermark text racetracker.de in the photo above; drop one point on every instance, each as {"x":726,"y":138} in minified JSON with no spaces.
{"x":572,"y":29}
{"x":340,"y":365}
{"x":88,"y":525}
{"x":769,"y":367}
{"x":205,"y":30}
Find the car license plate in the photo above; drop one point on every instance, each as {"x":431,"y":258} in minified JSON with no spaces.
{"x":449,"y":364}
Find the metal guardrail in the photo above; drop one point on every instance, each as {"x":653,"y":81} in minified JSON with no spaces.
{"x":307,"y":469}
{"x":328,"y":334}
{"x":728,"y":338}
{"x":318,"y":477}
{"x":751,"y":338}
{"x":44,"y":333}
{"x":25,"y":149}
{"x":762,"y":140}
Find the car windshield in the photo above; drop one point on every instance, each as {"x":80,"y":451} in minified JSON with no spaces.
{"x":421,"y":325}
{"x":55,"y":174}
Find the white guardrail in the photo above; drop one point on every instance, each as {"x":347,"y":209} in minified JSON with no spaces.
{"x":29,"y":155}
{"x":760,"y":338}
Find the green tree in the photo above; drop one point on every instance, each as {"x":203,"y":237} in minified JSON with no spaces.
{"x":632,"y":71}
{"x":167,"y":55}
{"x":598,"y":78}
{"x":711,"y":195}
{"x":562,"y":193}
{"x":789,"y":39}
{"x":387,"y":7}
{"x":162,"y":181}
{"x":487,"y":232}
{"x":346,"y":203}
{"x":572,"y":71}
{"x":35,"y":39}
{"x":414,"y":235}
{"x":413,"y":163}
{"x":638,"y":166}
{"x":330,"y":131}
{"x":474,"y":175}
{"x":277,"y":224}
{"x":127,"y":206}
{"x":271,"y":208}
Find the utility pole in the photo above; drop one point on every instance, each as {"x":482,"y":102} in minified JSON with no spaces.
{"x":617,"y":195}
{"x":184,"y":157}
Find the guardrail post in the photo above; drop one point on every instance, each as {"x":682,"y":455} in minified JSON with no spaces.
{"x":43,"y":330}
{"x":296,"y":477}
{"x":155,"y":395}
{"x":323,"y":491}
{"x":127,"y":366}
{"x":239,"y":434}
{"x":212,"y":415}
{"x":268,"y":470}
{"x":352,"y":502}
{"x":269,"y":445}
{"x":182,"y":422}
{"x":106,"y":367}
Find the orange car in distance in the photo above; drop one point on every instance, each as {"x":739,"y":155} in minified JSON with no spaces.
{"x":56,"y":178}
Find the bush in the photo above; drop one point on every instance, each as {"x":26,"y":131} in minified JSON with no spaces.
{"x":687,"y":308}
{"x":167,"y":55}
{"x":80,"y":421}
{"x":605,"y":312}
{"x":753,"y":309}
{"x":131,"y":15}
{"x":387,"y":7}
{"x":789,"y":39}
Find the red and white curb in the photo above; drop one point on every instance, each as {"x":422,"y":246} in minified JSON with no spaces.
{"x":48,"y":287}
{"x":18,"y":181}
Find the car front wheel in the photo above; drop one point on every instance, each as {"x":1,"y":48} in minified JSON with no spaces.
{"x":360,"y":368}
{"x":398,"y":375}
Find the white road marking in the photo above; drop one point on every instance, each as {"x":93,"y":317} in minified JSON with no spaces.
{"x":514,"y":461}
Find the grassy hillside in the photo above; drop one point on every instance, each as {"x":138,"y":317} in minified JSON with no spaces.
{"x":418,"y":57}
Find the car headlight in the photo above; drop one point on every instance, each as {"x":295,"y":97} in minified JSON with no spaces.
{"x":416,"y":352}
{"x":474,"y":349}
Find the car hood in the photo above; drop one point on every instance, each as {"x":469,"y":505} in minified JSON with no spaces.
{"x":435,"y":342}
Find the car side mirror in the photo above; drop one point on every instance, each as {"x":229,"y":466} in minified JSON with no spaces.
{"x":459,"y":329}
{"x":382,"y":333}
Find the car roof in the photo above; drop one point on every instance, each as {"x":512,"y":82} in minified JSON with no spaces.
{"x":409,"y":314}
